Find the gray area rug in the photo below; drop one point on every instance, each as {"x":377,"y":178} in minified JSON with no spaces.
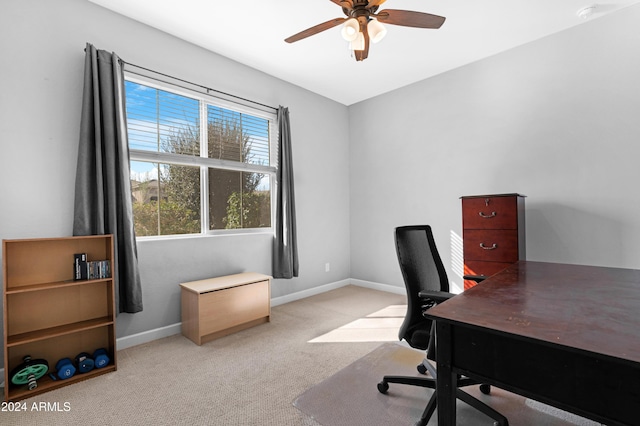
{"x":350,"y":397}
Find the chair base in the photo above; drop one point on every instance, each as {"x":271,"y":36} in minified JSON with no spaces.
{"x":428,"y":382}
{"x":383,"y":386}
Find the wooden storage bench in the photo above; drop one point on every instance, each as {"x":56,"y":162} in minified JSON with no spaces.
{"x":215,"y":307}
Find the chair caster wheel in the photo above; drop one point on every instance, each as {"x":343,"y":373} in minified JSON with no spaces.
{"x":486,"y":389}
{"x":421,"y":369}
{"x":383,"y":387}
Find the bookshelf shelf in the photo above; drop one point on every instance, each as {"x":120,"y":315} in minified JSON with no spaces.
{"x":59,"y":284}
{"x":49,"y":315}
{"x":48,"y":333}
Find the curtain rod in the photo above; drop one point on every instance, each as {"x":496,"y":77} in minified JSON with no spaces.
{"x":199,"y":85}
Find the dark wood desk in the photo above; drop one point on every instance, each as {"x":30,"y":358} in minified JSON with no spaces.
{"x":565,"y":335}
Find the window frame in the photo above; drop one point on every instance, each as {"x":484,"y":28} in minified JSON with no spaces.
{"x":203,"y":162}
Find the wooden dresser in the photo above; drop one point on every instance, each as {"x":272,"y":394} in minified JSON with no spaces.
{"x":493,"y":233}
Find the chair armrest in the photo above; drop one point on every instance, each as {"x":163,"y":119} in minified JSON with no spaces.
{"x":436,"y":296}
{"x":476,"y":278}
{"x":432,"y":298}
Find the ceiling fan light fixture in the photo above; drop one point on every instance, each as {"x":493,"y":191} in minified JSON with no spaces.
{"x":376,"y":30}
{"x":350,"y":29}
{"x":358,"y":43}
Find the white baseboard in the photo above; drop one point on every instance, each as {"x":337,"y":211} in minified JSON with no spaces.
{"x":377,"y":286}
{"x":148,"y":336}
{"x":281,"y":300}
{"x":159,"y":333}
{"x":332,"y":286}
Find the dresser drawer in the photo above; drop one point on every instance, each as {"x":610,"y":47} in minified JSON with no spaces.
{"x":496,"y":245}
{"x":490,"y":213}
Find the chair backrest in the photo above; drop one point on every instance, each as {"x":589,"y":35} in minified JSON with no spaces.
{"x":422,"y":269}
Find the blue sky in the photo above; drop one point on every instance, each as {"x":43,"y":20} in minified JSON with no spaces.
{"x":153,"y":114}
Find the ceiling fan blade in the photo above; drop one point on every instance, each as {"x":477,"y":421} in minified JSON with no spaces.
{"x":375,"y":2}
{"x":315,"y":30}
{"x":409,"y":18}
{"x":344,"y":3}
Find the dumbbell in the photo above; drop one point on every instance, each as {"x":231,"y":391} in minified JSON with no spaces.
{"x":84,"y":362}
{"x":100,"y":358}
{"x":65,"y":369}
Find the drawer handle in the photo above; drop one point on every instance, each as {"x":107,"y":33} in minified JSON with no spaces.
{"x":493,"y":247}
{"x":487,"y":216}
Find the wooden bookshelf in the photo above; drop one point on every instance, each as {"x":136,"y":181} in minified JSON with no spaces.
{"x":49,"y":315}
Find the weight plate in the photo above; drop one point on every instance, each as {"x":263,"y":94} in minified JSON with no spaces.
{"x":37,"y":367}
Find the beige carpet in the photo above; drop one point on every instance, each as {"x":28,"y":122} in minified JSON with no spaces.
{"x":350,"y":397}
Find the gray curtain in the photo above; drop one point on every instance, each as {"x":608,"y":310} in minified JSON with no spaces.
{"x":103,"y":189}
{"x":285,"y":246}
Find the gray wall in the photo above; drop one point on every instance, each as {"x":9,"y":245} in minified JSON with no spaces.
{"x":556,"y":120}
{"x":42,"y":44}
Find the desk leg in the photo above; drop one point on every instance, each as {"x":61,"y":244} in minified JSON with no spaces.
{"x":446,"y":382}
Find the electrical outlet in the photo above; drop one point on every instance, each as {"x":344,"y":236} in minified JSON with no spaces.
{"x":327,"y":267}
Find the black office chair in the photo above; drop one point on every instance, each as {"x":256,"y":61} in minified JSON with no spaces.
{"x":427,"y":285}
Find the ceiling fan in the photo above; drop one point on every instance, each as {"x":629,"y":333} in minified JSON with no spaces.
{"x":363,"y":25}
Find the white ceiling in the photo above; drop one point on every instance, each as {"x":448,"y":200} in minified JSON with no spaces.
{"x":252,"y":32}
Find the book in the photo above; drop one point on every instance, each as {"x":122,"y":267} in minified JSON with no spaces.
{"x":90,"y":270}
{"x":80,"y":266}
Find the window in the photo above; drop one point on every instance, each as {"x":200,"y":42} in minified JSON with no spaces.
{"x":198,"y":164}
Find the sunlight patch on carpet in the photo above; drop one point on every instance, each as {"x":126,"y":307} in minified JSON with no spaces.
{"x":380,"y":326}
